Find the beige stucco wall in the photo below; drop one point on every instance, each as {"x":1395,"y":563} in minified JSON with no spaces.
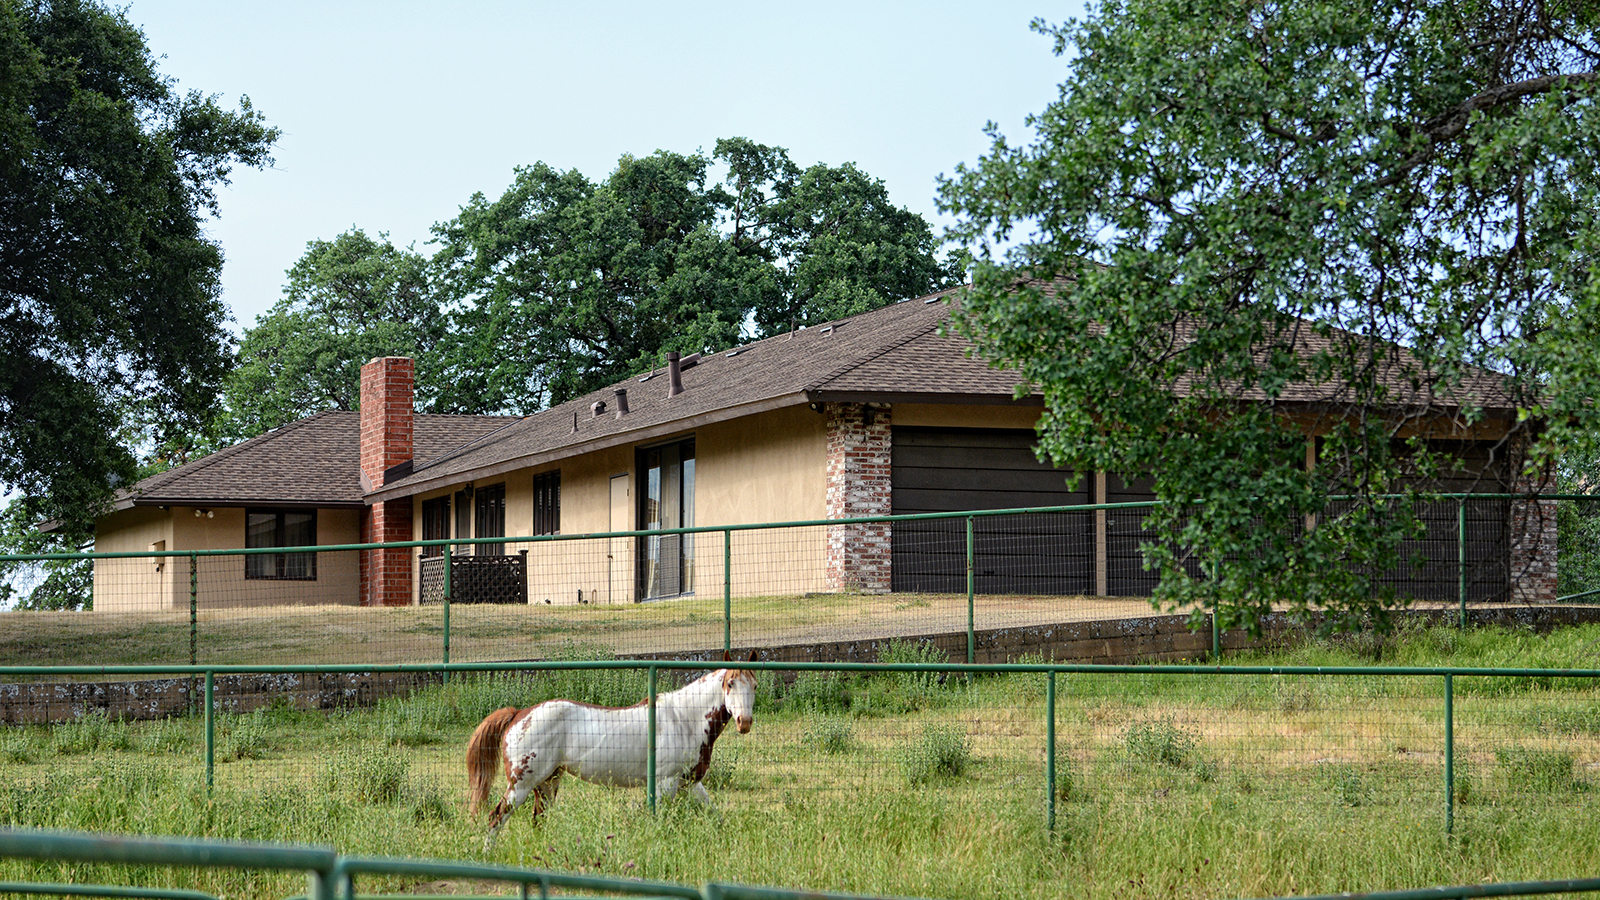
{"x":138,"y":585}
{"x":764,"y":468}
{"x":130,"y":585}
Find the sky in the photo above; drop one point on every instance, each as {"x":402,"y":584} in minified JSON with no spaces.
{"x":394,"y":114}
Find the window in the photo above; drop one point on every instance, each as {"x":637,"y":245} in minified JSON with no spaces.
{"x":547,"y":503}
{"x":280,"y":528}
{"x":666,"y":562}
{"x":489,"y":518}
{"x":435,"y":523}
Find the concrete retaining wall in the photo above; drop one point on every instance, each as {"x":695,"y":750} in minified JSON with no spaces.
{"x":1121,"y":641}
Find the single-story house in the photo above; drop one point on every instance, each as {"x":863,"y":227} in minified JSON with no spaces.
{"x":880,"y":413}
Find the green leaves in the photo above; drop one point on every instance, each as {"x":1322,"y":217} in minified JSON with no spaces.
{"x":1364,"y":225}
{"x":108,"y":282}
{"x":563,"y":285}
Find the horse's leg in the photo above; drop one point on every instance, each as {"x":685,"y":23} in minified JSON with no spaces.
{"x":666,"y":786}
{"x":524,"y":780}
{"x":698,"y":792}
{"x":545,"y":793}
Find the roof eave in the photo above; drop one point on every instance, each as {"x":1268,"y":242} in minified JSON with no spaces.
{"x":422,"y":485}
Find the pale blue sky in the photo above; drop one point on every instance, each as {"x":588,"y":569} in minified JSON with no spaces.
{"x":394,"y":114}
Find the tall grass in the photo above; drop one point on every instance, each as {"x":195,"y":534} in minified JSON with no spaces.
{"x":1167,"y":785}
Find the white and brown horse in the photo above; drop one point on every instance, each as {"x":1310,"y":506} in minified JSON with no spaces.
{"x":606,"y":745}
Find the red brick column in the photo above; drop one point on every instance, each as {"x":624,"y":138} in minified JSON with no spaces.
{"x":387,"y":423}
{"x":859,"y":443}
{"x":1533,"y":544}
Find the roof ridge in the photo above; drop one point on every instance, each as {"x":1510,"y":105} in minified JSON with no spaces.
{"x":161,"y":479}
{"x":878,"y":351}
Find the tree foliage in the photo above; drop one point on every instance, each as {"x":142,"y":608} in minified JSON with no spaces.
{"x":1255,"y":204}
{"x":347,"y":300}
{"x":562,"y":284}
{"x":108,"y":283}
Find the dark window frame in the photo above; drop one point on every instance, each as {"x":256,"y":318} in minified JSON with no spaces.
{"x":436,"y":523}
{"x":547,"y":502}
{"x":489,"y":518}
{"x":279,"y":566}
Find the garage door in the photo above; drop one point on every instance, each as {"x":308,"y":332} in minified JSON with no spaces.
{"x":949,"y":469}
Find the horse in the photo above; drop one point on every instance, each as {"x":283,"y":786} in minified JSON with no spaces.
{"x":606,"y":745}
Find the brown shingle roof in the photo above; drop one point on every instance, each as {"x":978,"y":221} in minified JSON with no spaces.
{"x":314,"y":461}
{"x":893,"y":353}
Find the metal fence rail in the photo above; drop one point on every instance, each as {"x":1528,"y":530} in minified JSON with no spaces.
{"x":1195,"y":720}
{"x":750,"y":585}
{"x":330,"y":876}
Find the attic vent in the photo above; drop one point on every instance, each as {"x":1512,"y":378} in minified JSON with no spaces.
{"x":830,"y":329}
{"x":598,"y":408}
{"x":932,"y":300}
{"x":735,"y":352}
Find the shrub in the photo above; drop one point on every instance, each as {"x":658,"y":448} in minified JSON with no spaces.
{"x":165,"y":736}
{"x":1542,"y":771}
{"x":830,"y":735}
{"x":370,"y":774}
{"x":18,"y":746}
{"x":245,"y":737}
{"x":1161,"y":741}
{"x":1345,"y":782}
{"x":93,"y":730}
{"x":940,"y":751}
{"x":818,"y":692}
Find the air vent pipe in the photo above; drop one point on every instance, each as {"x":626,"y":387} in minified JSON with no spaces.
{"x":674,"y":374}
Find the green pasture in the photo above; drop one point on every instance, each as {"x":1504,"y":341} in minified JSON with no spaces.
{"x":913,"y":783}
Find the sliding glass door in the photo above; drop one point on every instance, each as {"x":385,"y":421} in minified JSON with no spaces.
{"x":666,"y":562}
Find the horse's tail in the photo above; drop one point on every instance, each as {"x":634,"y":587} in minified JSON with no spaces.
{"x":484,"y":752}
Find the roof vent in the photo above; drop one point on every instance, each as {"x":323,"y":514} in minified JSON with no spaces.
{"x":622,"y":402}
{"x":597,"y":408}
{"x":688,"y":361}
{"x":674,"y":374}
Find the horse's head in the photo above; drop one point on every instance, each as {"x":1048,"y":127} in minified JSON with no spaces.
{"x":739,"y":695}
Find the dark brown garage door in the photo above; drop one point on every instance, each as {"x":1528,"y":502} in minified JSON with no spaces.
{"x":950,"y":469}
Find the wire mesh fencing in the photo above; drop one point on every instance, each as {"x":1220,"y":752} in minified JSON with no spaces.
{"x":1437,"y":748}
{"x":820,"y":585}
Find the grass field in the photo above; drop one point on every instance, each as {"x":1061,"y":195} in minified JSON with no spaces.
{"x":915,"y":785}
{"x":331,"y":634}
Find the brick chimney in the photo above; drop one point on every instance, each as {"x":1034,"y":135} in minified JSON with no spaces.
{"x":387,"y":422}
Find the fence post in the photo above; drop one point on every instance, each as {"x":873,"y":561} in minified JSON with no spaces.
{"x":971,"y":559}
{"x":1461,"y":557}
{"x":449,"y":563}
{"x":194,"y":606}
{"x":1216,"y":632}
{"x":727,"y":590}
{"x":650,"y":753}
{"x":1449,"y":754}
{"x":1050,"y":751}
{"x":211,"y":725}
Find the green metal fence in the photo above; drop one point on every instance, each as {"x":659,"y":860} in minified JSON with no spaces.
{"x":748,"y":585}
{"x":330,"y":875}
{"x":1399,"y":692}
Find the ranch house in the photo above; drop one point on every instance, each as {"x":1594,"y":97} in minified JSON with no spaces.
{"x":876,"y":414}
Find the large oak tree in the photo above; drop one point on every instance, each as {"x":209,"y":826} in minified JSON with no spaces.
{"x":1258,"y":202}
{"x":111,"y":326}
